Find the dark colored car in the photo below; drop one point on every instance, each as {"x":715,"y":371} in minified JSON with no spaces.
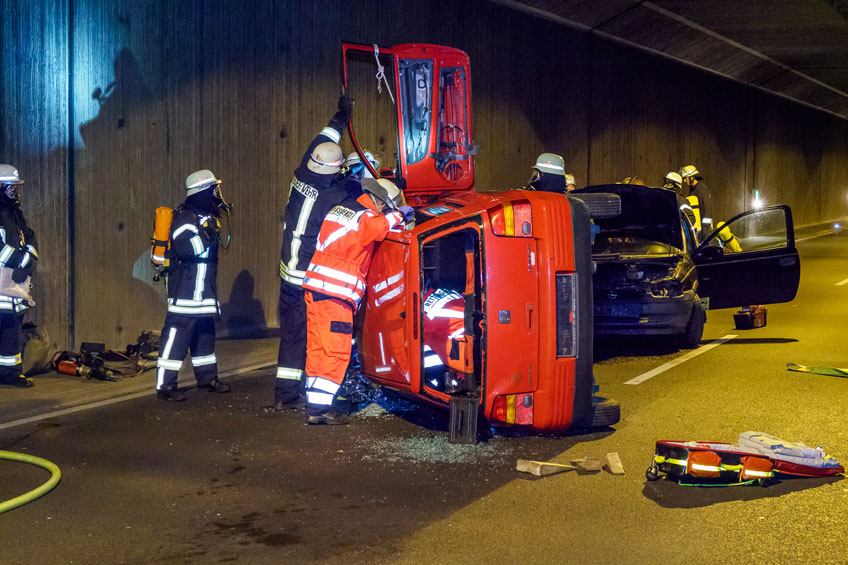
{"x":652,"y":277}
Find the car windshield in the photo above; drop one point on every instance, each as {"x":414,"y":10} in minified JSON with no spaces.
{"x":632,"y":246}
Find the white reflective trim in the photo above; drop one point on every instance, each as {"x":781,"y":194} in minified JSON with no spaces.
{"x":457,"y":334}
{"x":158,"y":258}
{"x":205,"y":360}
{"x":432,"y":360}
{"x":388,"y":282}
{"x":172,"y":334}
{"x":192,"y":309}
{"x":332,"y":133}
{"x":196,"y":244}
{"x":444,"y":313}
{"x":10,"y":360}
{"x":182,"y":228}
{"x":190,"y":302}
{"x":329,"y":272}
{"x":335,"y":236}
{"x":393,"y":219}
{"x":160,"y":377}
{"x":758,"y":473}
{"x":389,"y":295}
{"x":6,"y":253}
{"x":33,"y":250}
{"x":169,"y":364}
{"x":200,"y":281}
{"x":287,"y":373}
{"x":300,"y":228}
{"x":324,"y":385}
{"x":319,"y":398}
{"x":25,"y":260}
{"x":699,"y":467}
{"x":332,"y":288}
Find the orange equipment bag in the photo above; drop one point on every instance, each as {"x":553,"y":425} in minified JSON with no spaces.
{"x":754,"y":468}
{"x":161,"y":235}
{"x":703,"y":464}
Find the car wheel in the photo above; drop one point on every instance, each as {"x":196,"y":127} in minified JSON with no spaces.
{"x":605,"y":412}
{"x":694,"y":329}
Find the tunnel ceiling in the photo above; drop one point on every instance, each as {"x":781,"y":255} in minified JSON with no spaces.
{"x":796,"y":49}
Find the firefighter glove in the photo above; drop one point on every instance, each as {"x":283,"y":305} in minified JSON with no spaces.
{"x":19,"y":275}
{"x":346,"y":105}
{"x":408,"y":213}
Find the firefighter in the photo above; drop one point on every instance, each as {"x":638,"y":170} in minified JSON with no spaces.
{"x":192,"y":290}
{"x":569,"y":182}
{"x":335,"y":284}
{"x":20,"y":254}
{"x":699,"y":198}
{"x":548,"y":174}
{"x":315,"y":189}
{"x":673,"y":181}
{"x":354,"y":167}
{"x":444,"y":333}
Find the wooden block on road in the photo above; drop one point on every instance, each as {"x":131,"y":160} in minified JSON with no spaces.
{"x":614,"y":465}
{"x":540,"y":468}
{"x":588,"y":464}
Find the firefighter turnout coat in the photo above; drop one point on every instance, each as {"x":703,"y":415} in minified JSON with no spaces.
{"x":19,"y":250}
{"x":192,"y":288}
{"x":311,"y":196}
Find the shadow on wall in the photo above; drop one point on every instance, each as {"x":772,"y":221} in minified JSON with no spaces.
{"x":242,"y":316}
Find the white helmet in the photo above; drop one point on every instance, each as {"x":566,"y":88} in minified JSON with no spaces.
{"x":550,"y":163}
{"x":354,"y":159}
{"x":199,"y":181}
{"x":690,"y":171}
{"x":385,"y":191}
{"x":9,"y":175}
{"x":673,"y":178}
{"x":326,"y":159}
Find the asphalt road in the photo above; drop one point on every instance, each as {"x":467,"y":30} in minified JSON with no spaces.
{"x":216,"y":479}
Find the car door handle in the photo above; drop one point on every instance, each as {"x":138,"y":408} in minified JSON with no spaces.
{"x":415,"y":307}
{"x":529,"y":312}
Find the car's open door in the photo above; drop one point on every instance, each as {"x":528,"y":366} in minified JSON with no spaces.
{"x":433,"y":103}
{"x":749,"y":260}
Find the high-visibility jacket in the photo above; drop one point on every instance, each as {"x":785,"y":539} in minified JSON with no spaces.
{"x":444,"y":322}
{"x":311,"y":196}
{"x":19,"y":249}
{"x":345,"y":245}
{"x":193,"y":254}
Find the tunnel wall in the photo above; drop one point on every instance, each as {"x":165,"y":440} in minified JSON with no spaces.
{"x":107,"y":106}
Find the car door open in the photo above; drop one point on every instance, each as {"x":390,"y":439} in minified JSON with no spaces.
{"x":749,"y":260}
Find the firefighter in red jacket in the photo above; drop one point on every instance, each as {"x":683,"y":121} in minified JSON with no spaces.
{"x":335,"y":284}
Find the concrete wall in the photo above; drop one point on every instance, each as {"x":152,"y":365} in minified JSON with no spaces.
{"x":107,"y":106}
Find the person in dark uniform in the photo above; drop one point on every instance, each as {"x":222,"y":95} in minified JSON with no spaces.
{"x":19,"y":253}
{"x":192,"y":289}
{"x":699,"y":198}
{"x":315,"y":189}
{"x":548,"y":174}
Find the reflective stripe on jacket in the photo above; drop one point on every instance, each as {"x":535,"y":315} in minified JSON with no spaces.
{"x":345,"y":245}
{"x":18,"y":249}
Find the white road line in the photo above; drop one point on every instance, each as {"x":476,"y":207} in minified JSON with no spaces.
{"x":675,"y":362}
{"x":816,"y":235}
{"x":840,"y":283}
{"x":149,"y":391}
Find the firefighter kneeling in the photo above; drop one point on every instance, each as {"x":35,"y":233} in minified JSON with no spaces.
{"x":335,"y":284}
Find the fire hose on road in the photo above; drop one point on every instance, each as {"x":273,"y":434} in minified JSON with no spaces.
{"x":55,"y":477}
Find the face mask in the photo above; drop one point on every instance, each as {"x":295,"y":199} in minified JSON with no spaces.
{"x":10,"y":191}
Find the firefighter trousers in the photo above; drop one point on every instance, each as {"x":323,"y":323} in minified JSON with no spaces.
{"x":10,"y":346}
{"x":180,"y":335}
{"x":291,"y":359}
{"x":329,"y":331}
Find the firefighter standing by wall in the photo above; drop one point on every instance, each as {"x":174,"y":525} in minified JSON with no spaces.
{"x":315,"y":189}
{"x":192,"y":290}
{"x":20,"y":253}
{"x":335,"y":284}
{"x":548,"y":174}
{"x":699,"y":198}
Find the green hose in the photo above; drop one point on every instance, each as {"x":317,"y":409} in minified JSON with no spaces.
{"x":55,"y":477}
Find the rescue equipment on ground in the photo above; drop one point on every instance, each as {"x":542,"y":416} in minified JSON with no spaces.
{"x":94,"y":361}
{"x":831,"y":371}
{"x":159,"y":242}
{"x":750,"y":317}
{"x":754,"y":460}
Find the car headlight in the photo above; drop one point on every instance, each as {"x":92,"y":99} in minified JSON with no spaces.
{"x":666,"y":288}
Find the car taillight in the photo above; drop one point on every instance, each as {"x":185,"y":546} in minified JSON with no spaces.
{"x":513,"y":219}
{"x":566,"y":315}
{"x":514,"y":409}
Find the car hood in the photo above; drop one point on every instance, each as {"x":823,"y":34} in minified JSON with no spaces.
{"x":646,"y":212}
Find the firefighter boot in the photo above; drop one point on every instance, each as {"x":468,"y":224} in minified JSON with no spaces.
{"x":171,"y":394}
{"x":20,"y":381}
{"x":216,"y":386}
{"x":329,"y":417}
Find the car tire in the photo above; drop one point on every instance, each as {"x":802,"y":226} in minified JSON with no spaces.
{"x":691,"y":338}
{"x":605,"y":413}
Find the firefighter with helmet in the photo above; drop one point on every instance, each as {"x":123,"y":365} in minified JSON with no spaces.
{"x":354,"y":167}
{"x":699,"y":198}
{"x":19,"y":253}
{"x":335,"y":284}
{"x":673,"y":181}
{"x":548,"y":174}
{"x":315,"y":189}
{"x":569,"y":182}
{"x":192,"y":290}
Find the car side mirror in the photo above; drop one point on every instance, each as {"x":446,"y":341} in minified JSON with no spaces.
{"x":708,"y":252}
